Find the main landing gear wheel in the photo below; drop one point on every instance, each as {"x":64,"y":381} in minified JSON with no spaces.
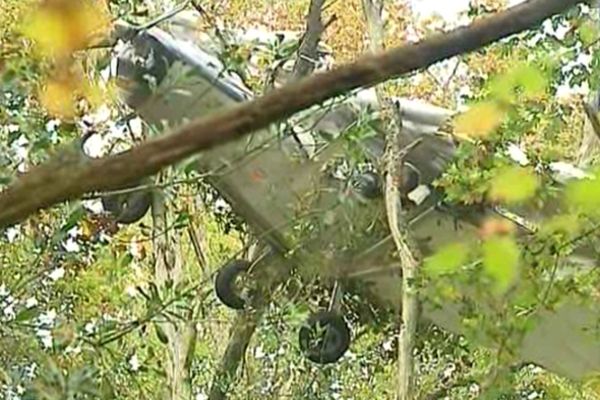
{"x":226,"y":287}
{"x":128,"y":208}
{"x":324,"y":338}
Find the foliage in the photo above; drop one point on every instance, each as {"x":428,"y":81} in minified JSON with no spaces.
{"x":82,"y":316}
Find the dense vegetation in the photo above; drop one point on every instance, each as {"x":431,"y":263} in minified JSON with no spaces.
{"x":88,"y":310}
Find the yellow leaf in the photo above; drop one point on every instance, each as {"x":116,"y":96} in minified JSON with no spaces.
{"x":86,"y":228}
{"x":48,"y":30}
{"x":513,"y":185}
{"x":59,"y":27}
{"x":93,"y":21}
{"x":94,"y":94}
{"x":58,"y":99}
{"x":480,"y":120}
{"x":501,"y":258}
{"x":447,"y":259}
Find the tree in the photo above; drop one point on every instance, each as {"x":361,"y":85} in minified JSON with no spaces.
{"x":84,"y":314}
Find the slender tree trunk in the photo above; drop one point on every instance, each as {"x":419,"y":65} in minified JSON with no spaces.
{"x":243,"y":328}
{"x":270,"y":272}
{"x":410,"y":257}
{"x":181,"y":335}
{"x":307,"y":51}
{"x":589,"y":149}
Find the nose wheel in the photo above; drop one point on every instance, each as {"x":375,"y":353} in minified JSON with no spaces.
{"x":368,"y":185}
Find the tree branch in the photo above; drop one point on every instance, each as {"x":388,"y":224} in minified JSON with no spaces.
{"x":410,"y":256}
{"x":307,"y":51}
{"x":68,"y":176}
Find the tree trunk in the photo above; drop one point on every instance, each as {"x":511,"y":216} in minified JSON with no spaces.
{"x":181,"y":335}
{"x":410,"y":257}
{"x":243,"y":328}
{"x":589,"y":149}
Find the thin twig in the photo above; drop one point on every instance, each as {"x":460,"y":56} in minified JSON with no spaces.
{"x":452,"y":74}
{"x":133,"y":30}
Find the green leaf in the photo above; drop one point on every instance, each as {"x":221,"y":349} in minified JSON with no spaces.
{"x":588,"y":32}
{"x":5,"y":180}
{"x":125,"y":259}
{"x":501,"y":256}
{"x":162,"y":336}
{"x":501,"y":88}
{"x":73,"y":219}
{"x":584,"y":195}
{"x":567,"y":224}
{"x":27,"y":314}
{"x":447,"y":259}
{"x":531,"y":79}
{"x":513,"y":185}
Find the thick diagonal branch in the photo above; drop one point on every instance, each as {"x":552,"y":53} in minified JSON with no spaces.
{"x":67,"y":176}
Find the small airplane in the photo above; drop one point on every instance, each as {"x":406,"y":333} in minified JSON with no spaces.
{"x":308,"y":201}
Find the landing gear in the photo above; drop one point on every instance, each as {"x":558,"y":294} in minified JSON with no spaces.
{"x":368,"y":185}
{"x":128,"y":208}
{"x":227,"y":288}
{"x":325,"y":337}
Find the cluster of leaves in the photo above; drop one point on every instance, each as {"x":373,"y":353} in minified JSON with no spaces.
{"x":515,"y":106}
{"x":58,"y":29}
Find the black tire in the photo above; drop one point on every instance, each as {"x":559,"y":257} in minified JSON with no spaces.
{"x":324,"y":338}
{"x":111,"y":204}
{"x":368,"y":184}
{"x":128,"y":208}
{"x":225,"y":284}
{"x":135,"y":207}
{"x":410,"y":179}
